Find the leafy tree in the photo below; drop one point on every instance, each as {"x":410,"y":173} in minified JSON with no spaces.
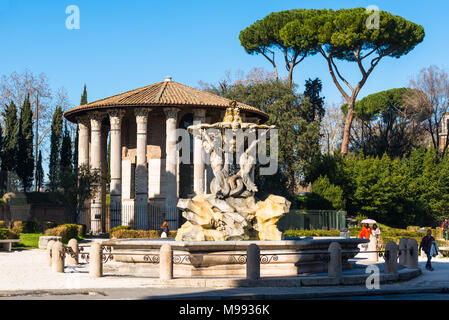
{"x":78,"y":187}
{"x":345,"y":35}
{"x":429,"y":99}
{"x":55,"y":149}
{"x":25,"y":157}
{"x":325,"y":195}
{"x":387,"y":125}
{"x":263,"y":37}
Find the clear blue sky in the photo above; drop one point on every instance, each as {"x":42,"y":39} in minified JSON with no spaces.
{"x":123,"y":45}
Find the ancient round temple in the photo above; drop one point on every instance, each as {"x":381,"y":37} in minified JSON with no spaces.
{"x":139,"y":128}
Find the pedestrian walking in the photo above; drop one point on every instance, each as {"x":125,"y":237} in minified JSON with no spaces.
{"x":163,"y":230}
{"x":426,"y":245}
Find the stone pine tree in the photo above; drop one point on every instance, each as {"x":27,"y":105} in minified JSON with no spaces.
{"x":263,"y":37}
{"x":40,"y":172}
{"x":25,"y":157}
{"x":75,"y":152}
{"x":9,"y":155}
{"x":55,"y":149}
{"x":353,"y":35}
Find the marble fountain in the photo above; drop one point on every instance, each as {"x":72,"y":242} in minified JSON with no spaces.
{"x":221,"y":225}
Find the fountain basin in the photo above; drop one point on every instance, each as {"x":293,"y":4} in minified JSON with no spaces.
{"x":226,"y":258}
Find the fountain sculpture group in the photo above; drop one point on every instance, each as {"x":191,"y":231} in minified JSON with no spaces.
{"x":230,"y":211}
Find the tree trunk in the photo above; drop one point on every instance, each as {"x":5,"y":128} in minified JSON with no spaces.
{"x":347,"y":129}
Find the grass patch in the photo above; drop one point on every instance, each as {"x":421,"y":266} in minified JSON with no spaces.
{"x":28,"y":240}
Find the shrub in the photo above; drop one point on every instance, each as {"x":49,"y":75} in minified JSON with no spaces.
{"x":8,"y":234}
{"x":81,"y":230}
{"x":328,"y":196}
{"x":49,"y":225}
{"x":413,"y":228}
{"x":311,"y":233}
{"x":119,"y":228}
{"x":3,"y":224}
{"x":65,"y":231}
{"x":125,"y":233}
{"x":18,"y":227}
{"x":26,"y":226}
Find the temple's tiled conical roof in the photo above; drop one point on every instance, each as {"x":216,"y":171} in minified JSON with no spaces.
{"x":167,"y":93}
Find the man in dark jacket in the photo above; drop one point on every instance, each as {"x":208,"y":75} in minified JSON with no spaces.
{"x":426,"y":245}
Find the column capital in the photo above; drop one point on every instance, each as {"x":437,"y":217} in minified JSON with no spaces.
{"x":199,"y":113}
{"x":96,"y":118}
{"x":115,"y":117}
{"x":171,"y":112}
{"x":84,"y":120}
{"x":142,"y":112}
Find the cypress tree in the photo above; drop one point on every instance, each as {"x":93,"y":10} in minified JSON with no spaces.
{"x":2,"y":171}
{"x":25,"y":156}
{"x":66,"y":150}
{"x":55,"y":149}
{"x":40,"y":172}
{"x":11,"y":135}
{"x":75,"y":152}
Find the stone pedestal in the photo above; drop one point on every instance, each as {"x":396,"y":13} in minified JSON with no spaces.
{"x":253,"y":262}
{"x":95,"y":260}
{"x":335,"y":264}
{"x":57,"y":258}
{"x":391,"y":258}
{"x":403,"y":251}
{"x":73,"y":261}
{"x":44,"y":241}
{"x":166,"y":262}
{"x":412,"y":254}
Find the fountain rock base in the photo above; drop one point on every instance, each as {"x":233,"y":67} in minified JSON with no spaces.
{"x":212,"y":219}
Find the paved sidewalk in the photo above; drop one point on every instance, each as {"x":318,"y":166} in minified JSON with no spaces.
{"x":25,"y":274}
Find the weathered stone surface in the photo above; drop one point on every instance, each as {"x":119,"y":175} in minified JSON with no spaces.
{"x":212,"y":219}
{"x":44,"y":241}
{"x":268,"y":214}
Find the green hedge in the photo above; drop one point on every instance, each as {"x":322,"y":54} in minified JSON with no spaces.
{"x":26,"y":227}
{"x":311,"y":233}
{"x":126,"y":233}
{"x":66,"y":231}
{"x":8,"y":234}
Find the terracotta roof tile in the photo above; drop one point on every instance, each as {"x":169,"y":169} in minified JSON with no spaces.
{"x":165,"y":93}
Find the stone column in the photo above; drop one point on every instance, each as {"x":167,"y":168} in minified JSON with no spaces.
{"x":49,"y":248}
{"x":115,"y":118}
{"x":199,"y":117}
{"x":171,"y":195}
{"x":141,"y":176}
{"x":96,"y":204}
{"x":83,"y":156}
